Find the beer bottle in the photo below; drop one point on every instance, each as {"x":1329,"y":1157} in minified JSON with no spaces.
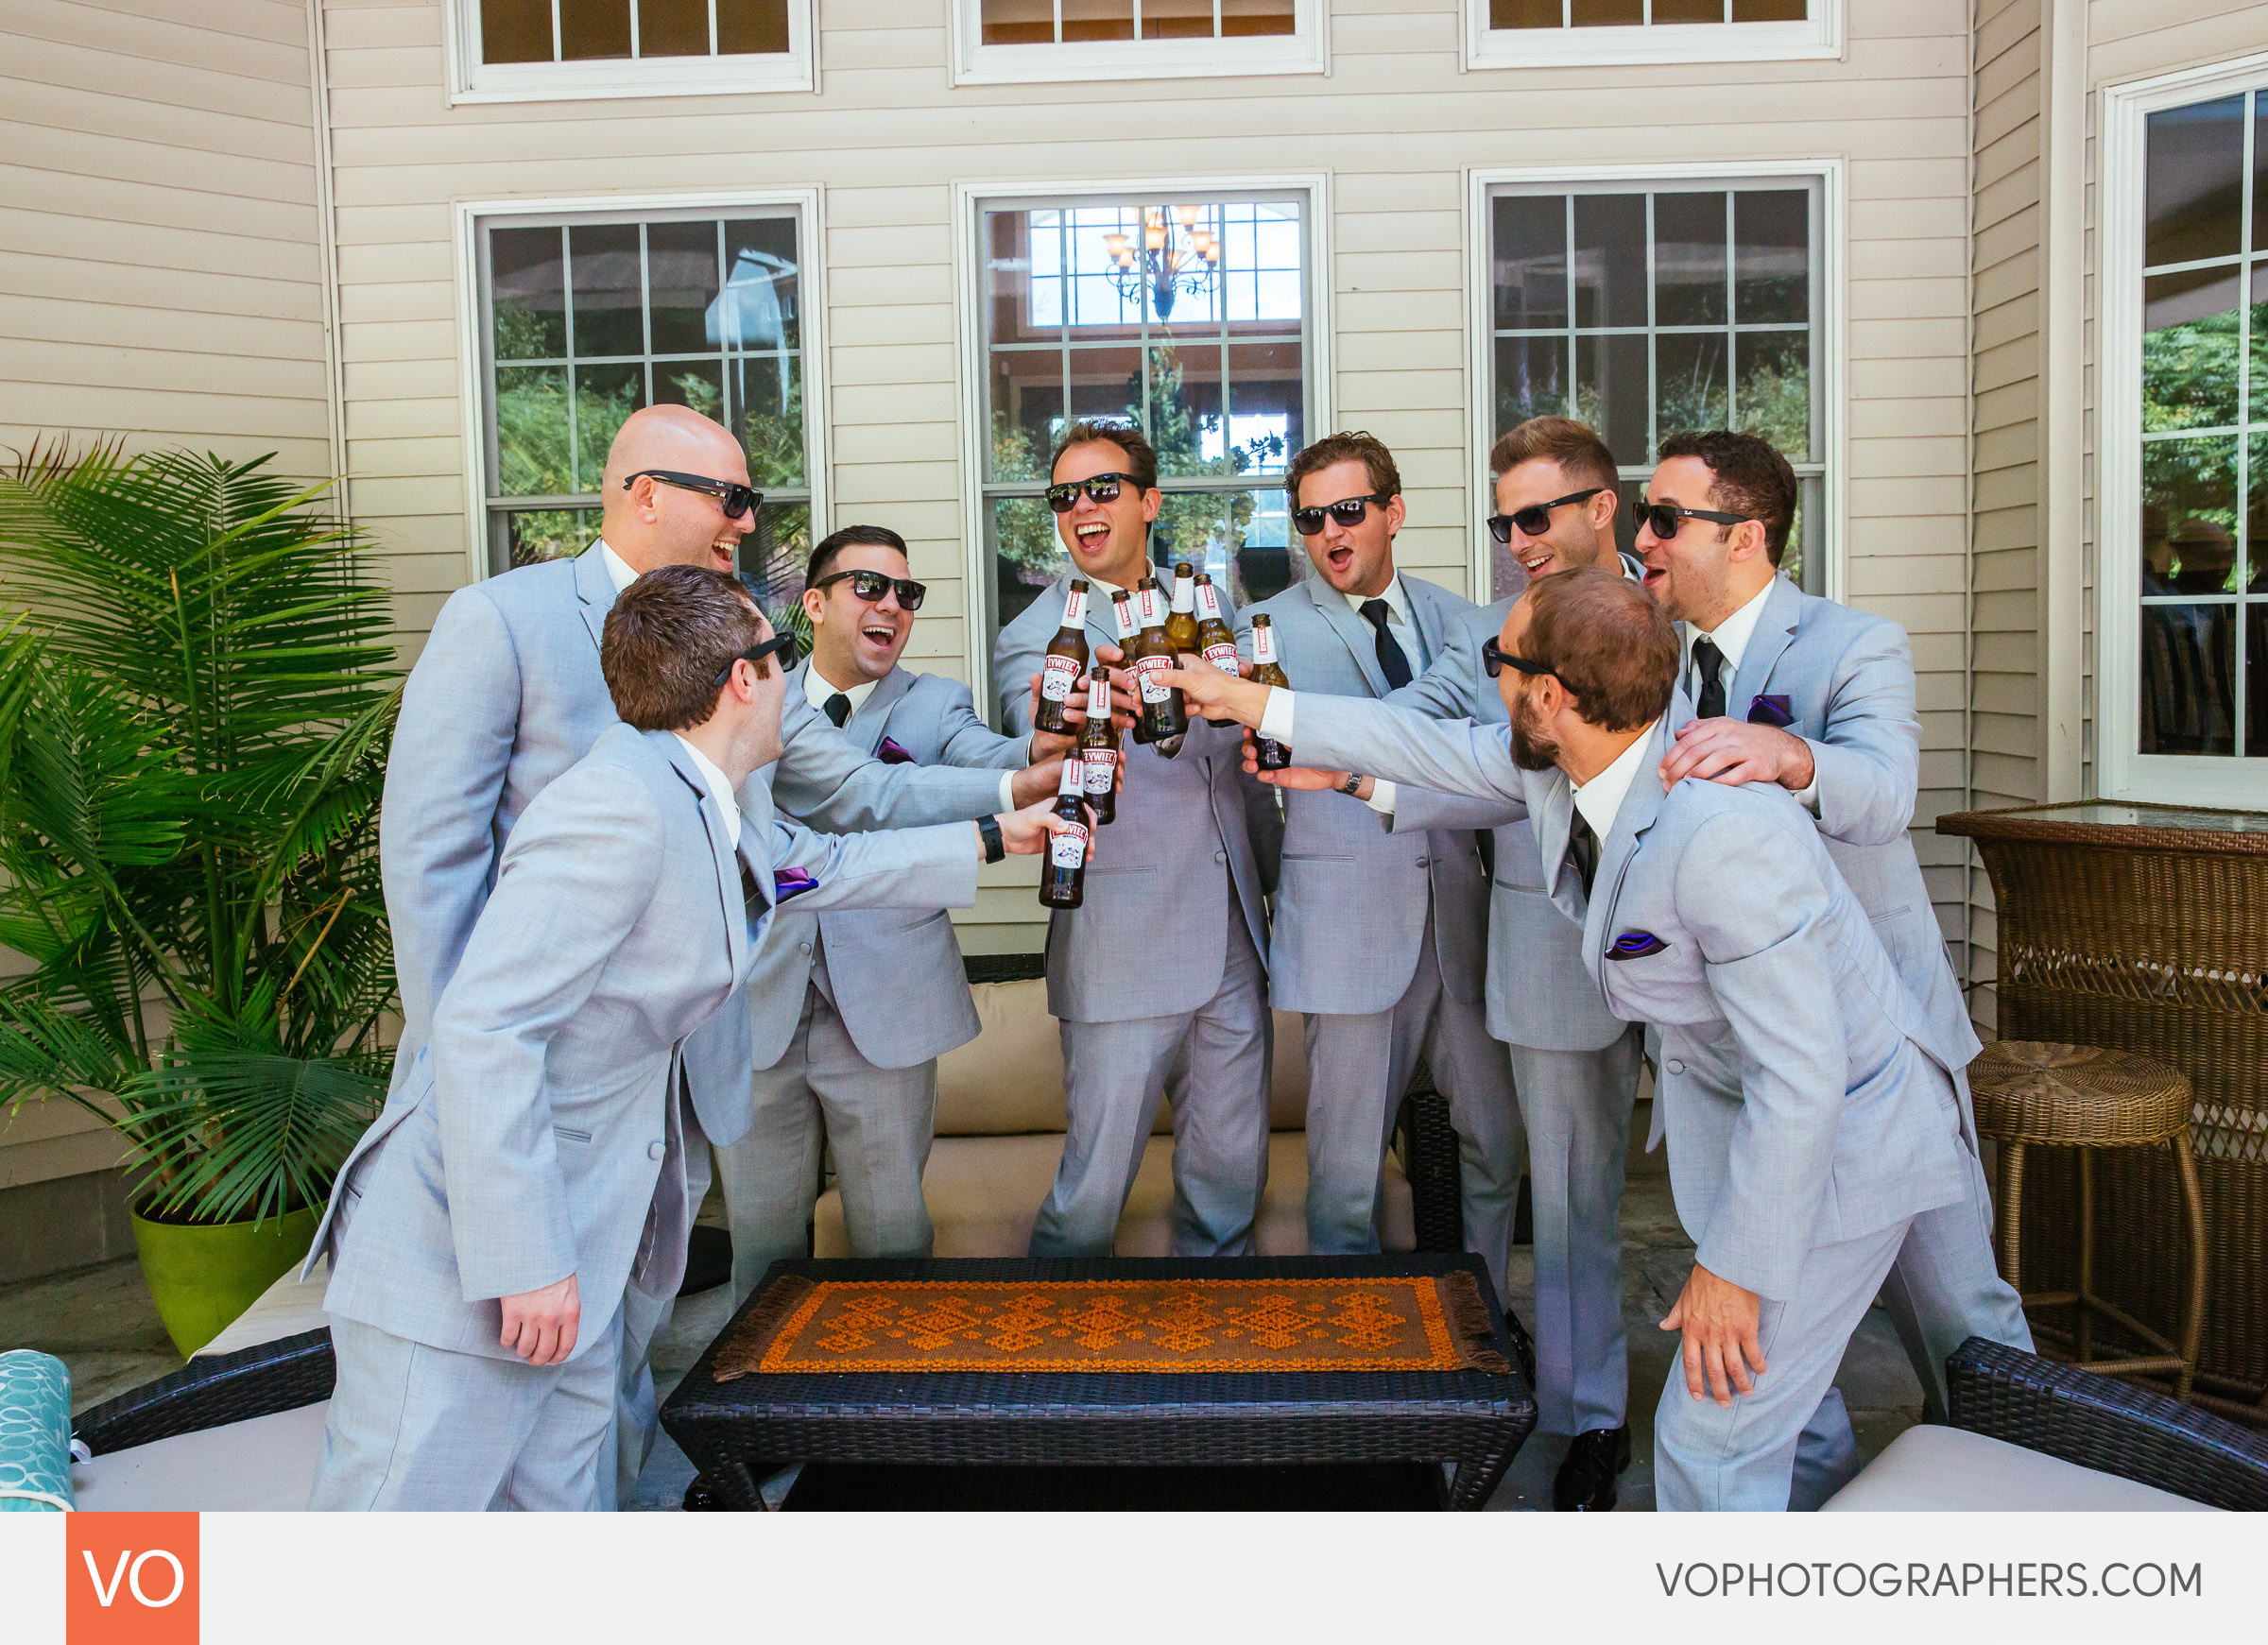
{"x":1065,"y":661}
{"x":1064,"y":885}
{"x":1181,"y":624}
{"x":1122,"y":609}
{"x":1214,"y":641}
{"x":1272,"y":756}
{"x":1098,"y":749}
{"x":1164,"y":714}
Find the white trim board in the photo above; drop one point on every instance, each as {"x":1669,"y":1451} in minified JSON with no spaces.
{"x":1831,"y":173}
{"x":819,"y":410}
{"x":968,"y":198}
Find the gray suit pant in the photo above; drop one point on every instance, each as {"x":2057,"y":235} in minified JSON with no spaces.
{"x":1214,"y":1062}
{"x":1789,"y":1442}
{"x":637,"y":1403}
{"x":419,"y":1428}
{"x":878,"y":1120}
{"x":1577,"y":1105}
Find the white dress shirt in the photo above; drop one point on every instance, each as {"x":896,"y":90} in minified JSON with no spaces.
{"x":1731,"y":639}
{"x":720,"y":790}
{"x":1600,"y":800}
{"x":617,"y":568}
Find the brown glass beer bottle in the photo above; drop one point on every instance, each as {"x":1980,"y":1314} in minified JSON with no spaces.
{"x":1181,"y":621}
{"x":1121,"y":611}
{"x":1164,"y":713}
{"x":1215,"y":643}
{"x":1272,"y":756}
{"x":1064,"y":885}
{"x":1099,"y":749}
{"x":1065,"y":661}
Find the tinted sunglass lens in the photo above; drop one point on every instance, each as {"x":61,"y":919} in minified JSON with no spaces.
{"x":1307,"y":522}
{"x":1060,"y":498}
{"x":909,"y":595}
{"x":1535,"y":520}
{"x":1348,"y":513}
{"x":1103,"y":490}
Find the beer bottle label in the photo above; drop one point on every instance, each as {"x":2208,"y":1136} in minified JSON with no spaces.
{"x":1057,"y":675}
{"x":1149,"y":608}
{"x":1263,"y":643}
{"x":1074,"y":609}
{"x":1184,"y":593}
{"x":1068,"y":849}
{"x":1150,"y":671}
{"x":1097,"y":767}
{"x":1222,"y":655}
{"x":1209,"y":602}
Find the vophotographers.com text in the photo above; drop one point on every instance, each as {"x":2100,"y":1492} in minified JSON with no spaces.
{"x":1889,"y":1579}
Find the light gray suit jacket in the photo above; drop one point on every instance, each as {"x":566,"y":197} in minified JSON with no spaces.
{"x":507,"y":694}
{"x":1806,"y":1095}
{"x":1195,"y":843}
{"x":894,"y":975}
{"x":1350,"y":899}
{"x":538,"y":1133}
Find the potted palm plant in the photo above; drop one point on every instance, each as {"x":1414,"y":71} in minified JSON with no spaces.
{"x":196,"y":702}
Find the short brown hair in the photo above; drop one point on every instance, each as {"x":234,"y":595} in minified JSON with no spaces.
{"x":1607,"y":641}
{"x":1746,"y":476}
{"x":667,"y":638}
{"x":1354,"y":447}
{"x":1142,"y":456}
{"x":1574,"y":446}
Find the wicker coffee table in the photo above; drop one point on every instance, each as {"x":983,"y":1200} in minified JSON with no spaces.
{"x":971,"y":1410}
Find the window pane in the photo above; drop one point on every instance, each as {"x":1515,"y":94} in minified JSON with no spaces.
{"x":1106,"y":382}
{"x":2188,"y":678}
{"x":2195,"y":194}
{"x":751,"y":25}
{"x":2259,"y":172}
{"x":1242,"y":539}
{"x":1187,"y":417}
{"x":1769,"y":11}
{"x":1026,"y":554}
{"x":1019,"y":21}
{"x":607,"y":319}
{"x":1195,"y":527}
{"x":1772,"y":256}
{"x":2253,"y":565}
{"x":531,"y":432}
{"x":1262,"y":258}
{"x":542,"y":534}
{"x":673,"y":28}
{"x":593,"y":28}
{"x":768,"y":414}
{"x":515,"y":31}
{"x":2189,"y":515}
{"x":1689,"y":11}
{"x":1526,"y":14}
{"x":1772,"y":392}
{"x":526,"y":284}
{"x":2256,"y":678}
{"x":604,"y":397}
{"x":1597,"y":14}
{"x":2260,"y":342}
{"x":1248,"y":17}
{"x":697,"y":383}
{"x":1689,"y":259}
{"x":1611,"y":392}
{"x":1690,"y":372}
{"x":2190,"y":350}
{"x":1267,"y":412}
{"x":1026,"y":391}
{"x":1610,"y":259}
{"x":1098,"y":19}
{"x":763,"y":301}
{"x":680,"y":270}
{"x":1531,"y":260}
{"x":774,"y":554}
{"x":1177,"y":19}
{"x":1025,"y":276}
{"x":1531,"y":379}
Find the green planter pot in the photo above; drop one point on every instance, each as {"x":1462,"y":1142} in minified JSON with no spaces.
{"x":202,"y":1276}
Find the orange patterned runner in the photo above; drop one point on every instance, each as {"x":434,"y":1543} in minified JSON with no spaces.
{"x":1415,"y":1323}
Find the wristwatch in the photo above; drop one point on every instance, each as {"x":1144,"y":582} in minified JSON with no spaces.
{"x":1352,"y":785}
{"x":988,"y":829}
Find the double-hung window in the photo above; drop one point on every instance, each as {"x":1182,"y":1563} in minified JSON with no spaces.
{"x":1001,"y":42}
{"x":525,"y":50}
{"x":1646,"y":309}
{"x":586,"y":317}
{"x":1512,"y":34}
{"x":1190,"y":314}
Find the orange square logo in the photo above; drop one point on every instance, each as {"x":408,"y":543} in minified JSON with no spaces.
{"x":130,"y":1579}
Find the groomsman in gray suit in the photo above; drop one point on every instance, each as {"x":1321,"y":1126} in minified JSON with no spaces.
{"x":851,"y":1011}
{"x":508,"y":694}
{"x":1808,"y":1100}
{"x":1159,"y":980}
{"x":1379,"y":938}
{"x":1797,"y":690}
{"x":529,"y":1172}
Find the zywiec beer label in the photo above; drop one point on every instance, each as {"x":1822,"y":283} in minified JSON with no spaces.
{"x":1222,"y":655}
{"x":1068,"y":849}
{"x":1209,"y":600}
{"x":1097,"y":767}
{"x":1074,"y":609}
{"x":1057,"y":677}
{"x":1150,"y":613}
{"x":1150,"y":671}
{"x":1264,"y":644}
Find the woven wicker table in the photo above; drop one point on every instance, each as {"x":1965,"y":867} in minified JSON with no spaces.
{"x":2144,"y":928}
{"x":740,"y":1427}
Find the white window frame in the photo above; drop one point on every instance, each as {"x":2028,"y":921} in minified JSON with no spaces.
{"x":970,"y":202}
{"x":474,"y":82}
{"x":1830,"y":377}
{"x":1821,"y":35}
{"x":2123,"y":772}
{"x":471,"y":373}
{"x":1304,"y":51}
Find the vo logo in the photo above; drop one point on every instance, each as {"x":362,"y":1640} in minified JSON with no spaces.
{"x":130,"y":1579}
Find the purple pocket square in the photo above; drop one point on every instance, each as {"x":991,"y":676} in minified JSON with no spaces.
{"x":1635,"y":945}
{"x":789,"y":883}
{"x":891,"y":754}
{"x":1770,"y":711}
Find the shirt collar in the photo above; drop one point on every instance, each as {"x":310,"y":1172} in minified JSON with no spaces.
{"x":817,"y":689}
{"x":1600,"y":800}
{"x":618,"y":569}
{"x":1732,"y":635}
{"x":1396,"y":597}
{"x":720,"y":790}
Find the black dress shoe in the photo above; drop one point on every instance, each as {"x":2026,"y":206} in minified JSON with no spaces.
{"x":1586,"y":1479}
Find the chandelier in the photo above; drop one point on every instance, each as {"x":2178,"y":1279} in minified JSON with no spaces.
{"x":1176,"y":257}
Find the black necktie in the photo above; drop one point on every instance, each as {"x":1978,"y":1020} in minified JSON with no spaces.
{"x":1583,"y":846}
{"x":838,"y":709}
{"x":1396,"y":666}
{"x":1710,"y":662}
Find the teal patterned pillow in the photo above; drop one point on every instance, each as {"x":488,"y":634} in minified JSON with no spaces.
{"x":35,"y":1432}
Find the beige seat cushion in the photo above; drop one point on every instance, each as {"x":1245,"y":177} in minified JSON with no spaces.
{"x":983,"y":1193}
{"x":1929,"y":1470}
{"x":286,"y":1308}
{"x":265,"y":1463}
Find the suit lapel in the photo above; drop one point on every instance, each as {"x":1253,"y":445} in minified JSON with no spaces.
{"x":1775,"y":629}
{"x":724,"y":854}
{"x":1362,"y":641}
{"x":1554,"y":821}
{"x":594,"y":590}
{"x":873,"y":716}
{"x":1640,"y":805}
{"x":1426,"y":616}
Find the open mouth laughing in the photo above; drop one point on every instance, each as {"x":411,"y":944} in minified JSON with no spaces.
{"x":1094,"y":536}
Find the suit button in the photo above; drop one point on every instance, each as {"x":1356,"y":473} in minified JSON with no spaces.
{"x":1674,"y":1066}
{"x":1425,"y":862}
{"x":1220,"y":856}
{"x":655,"y":1150}
{"x":804,"y":946}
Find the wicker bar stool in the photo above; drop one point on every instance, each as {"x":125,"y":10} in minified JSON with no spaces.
{"x":2030,"y":1093}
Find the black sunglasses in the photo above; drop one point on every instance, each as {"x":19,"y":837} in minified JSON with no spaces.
{"x":1664,"y":518}
{"x":1347,"y":511}
{"x":1099,"y":489}
{"x":782,"y":646}
{"x":1536,"y":519}
{"x":736,"y":499}
{"x":871,"y":585}
{"x":1495,"y":659}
